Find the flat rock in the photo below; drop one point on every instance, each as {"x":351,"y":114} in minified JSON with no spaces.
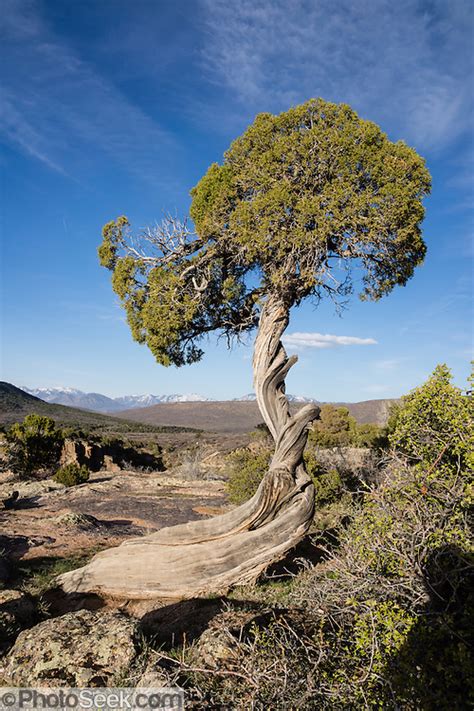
{"x":80,"y":649}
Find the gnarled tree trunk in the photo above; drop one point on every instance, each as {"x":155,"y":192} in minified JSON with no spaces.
{"x":209,"y":556}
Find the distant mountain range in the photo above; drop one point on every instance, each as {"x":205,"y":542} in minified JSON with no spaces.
{"x":232,"y":416}
{"x":101,"y":403}
{"x":15,"y":404}
{"x":250,"y":397}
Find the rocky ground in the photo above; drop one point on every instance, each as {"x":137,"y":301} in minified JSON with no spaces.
{"x":46,"y":639}
{"x":54,"y":521}
{"x":50,"y":639}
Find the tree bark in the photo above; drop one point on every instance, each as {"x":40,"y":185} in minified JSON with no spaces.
{"x":210,"y":556}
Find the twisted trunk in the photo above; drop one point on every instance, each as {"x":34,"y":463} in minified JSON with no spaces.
{"x":209,"y":556}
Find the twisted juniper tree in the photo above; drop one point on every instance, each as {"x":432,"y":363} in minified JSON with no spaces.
{"x":304,"y":205}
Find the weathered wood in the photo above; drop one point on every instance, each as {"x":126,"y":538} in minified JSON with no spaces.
{"x":209,"y":556}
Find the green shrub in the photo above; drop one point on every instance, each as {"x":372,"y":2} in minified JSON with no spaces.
{"x":337,"y":428}
{"x":396,"y":599}
{"x":72,"y":474}
{"x":334,"y":428}
{"x":328,"y":485}
{"x":247,"y":469}
{"x":33,"y":445}
{"x":435,"y":422}
{"x":371,"y":436}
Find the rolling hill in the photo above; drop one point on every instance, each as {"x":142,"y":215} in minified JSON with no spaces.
{"x":238,"y":416}
{"x":15,"y":404}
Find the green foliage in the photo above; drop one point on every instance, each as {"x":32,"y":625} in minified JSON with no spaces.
{"x":72,"y":474}
{"x":247,"y":469}
{"x":397,"y":595}
{"x":328,"y":485}
{"x":435,"y":422}
{"x":316,"y":180}
{"x":371,"y":436}
{"x":33,"y":445}
{"x":337,"y":428}
{"x":296,"y":193}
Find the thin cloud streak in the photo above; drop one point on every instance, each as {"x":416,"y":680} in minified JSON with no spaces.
{"x":320,"y":340}
{"x":402,"y":64}
{"x":57,"y":108}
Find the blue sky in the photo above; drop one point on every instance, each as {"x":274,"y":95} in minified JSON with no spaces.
{"x":118,"y":107}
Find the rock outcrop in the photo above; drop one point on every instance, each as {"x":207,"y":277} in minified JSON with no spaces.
{"x":112,"y":456}
{"x":80,"y":649}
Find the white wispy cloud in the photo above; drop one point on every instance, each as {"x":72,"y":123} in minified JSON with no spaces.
{"x":321,"y":340}
{"x":59,"y":109}
{"x":405,"y":64}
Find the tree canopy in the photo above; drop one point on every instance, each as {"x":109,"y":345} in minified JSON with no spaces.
{"x":304,"y":204}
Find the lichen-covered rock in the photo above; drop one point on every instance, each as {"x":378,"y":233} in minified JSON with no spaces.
{"x":218,"y":645}
{"x":77,"y":519}
{"x":83,"y":649}
{"x":153,"y":678}
{"x":17,"y":610}
{"x":215,"y":648}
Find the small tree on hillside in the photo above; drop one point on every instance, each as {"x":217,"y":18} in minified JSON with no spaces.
{"x":303,"y":204}
{"x":33,"y":445}
{"x":335,"y":427}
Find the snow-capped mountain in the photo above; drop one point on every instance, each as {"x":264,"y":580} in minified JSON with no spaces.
{"x":101,"y":403}
{"x":291,"y":398}
{"x":127,"y":402}
{"x":74,"y":398}
{"x":301,"y":398}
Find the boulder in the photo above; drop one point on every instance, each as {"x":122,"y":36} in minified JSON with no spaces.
{"x":79,"y":649}
{"x":109,"y":465}
{"x":218,"y":647}
{"x":153,"y":678}
{"x":359,"y":461}
{"x":112,"y":456}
